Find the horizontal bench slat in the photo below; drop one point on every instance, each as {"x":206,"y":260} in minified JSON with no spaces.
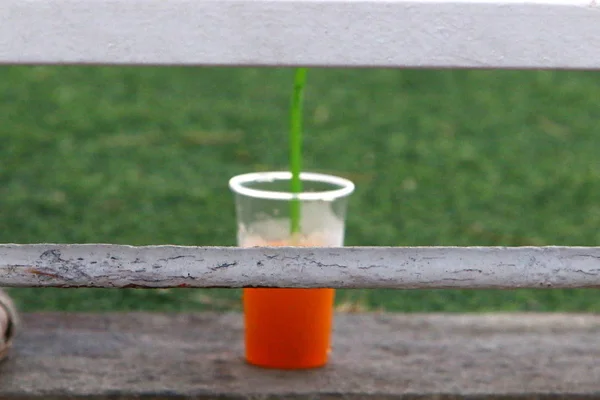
{"x":331,"y":33}
{"x":105,"y":265}
{"x":374,"y":356}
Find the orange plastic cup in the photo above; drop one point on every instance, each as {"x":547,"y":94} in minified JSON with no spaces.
{"x":289,"y":328}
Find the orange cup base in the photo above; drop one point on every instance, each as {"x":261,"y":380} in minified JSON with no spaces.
{"x":288,"y":328}
{"x":270,"y":365}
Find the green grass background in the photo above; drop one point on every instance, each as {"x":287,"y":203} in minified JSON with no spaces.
{"x":143,"y":155}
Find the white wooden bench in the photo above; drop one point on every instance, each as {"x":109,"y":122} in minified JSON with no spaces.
{"x":378,"y":356}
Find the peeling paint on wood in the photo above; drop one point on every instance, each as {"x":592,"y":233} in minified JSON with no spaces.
{"x":121,"y":266}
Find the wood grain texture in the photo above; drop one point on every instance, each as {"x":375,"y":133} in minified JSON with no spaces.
{"x":374,"y":357}
{"x":121,"y":266}
{"x":330,"y":33}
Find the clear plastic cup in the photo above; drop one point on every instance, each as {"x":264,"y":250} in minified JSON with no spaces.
{"x":289,"y":328}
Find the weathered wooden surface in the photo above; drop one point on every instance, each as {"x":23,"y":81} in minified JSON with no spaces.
{"x":346,"y":267}
{"x":375,"y":356}
{"x":368,"y":33}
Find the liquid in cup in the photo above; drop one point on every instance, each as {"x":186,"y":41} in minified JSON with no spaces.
{"x":288,"y":328}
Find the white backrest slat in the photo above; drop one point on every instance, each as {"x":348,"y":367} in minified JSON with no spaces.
{"x":331,"y":33}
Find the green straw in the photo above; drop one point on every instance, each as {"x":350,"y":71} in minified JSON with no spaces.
{"x":296,"y":147}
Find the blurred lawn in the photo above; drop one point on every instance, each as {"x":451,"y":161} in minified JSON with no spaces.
{"x":143,"y":155}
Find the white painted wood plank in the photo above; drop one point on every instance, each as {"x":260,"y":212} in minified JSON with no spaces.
{"x":98,"y":265}
{"x":357,"y":33}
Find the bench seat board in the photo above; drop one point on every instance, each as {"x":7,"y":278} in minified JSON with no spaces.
{"x":375,"y":355}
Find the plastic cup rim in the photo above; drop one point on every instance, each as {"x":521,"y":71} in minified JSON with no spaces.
{"x":236,"y":184}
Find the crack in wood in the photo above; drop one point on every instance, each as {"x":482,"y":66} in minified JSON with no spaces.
{"x":223,"y":265}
